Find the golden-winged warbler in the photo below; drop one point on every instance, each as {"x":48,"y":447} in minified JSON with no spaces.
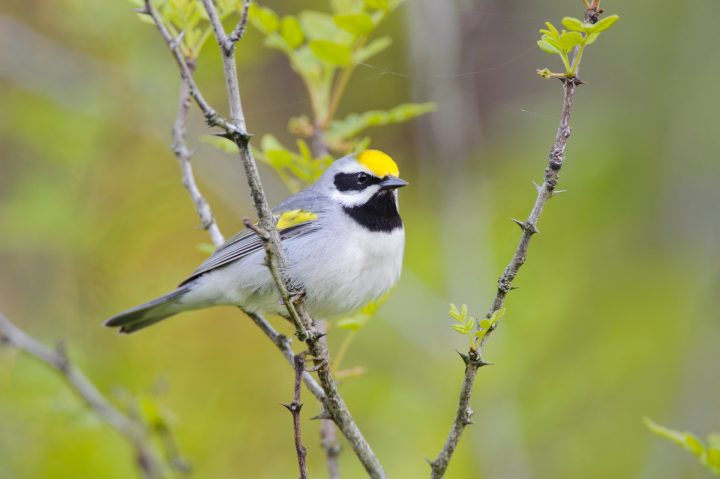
{"x":343,"y":239}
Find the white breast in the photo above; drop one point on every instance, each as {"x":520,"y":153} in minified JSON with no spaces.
{"x":346,"y":267}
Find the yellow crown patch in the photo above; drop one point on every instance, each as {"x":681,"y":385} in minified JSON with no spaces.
{"x":378,"y":162}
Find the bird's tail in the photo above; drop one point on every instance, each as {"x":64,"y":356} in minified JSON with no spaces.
{"x":149,"y":313}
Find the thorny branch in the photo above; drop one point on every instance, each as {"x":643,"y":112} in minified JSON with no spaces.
{"x":474,"y":359}
{"x":283,"y":345}
{"x":149,"y":464}
{"x":295,"y":407}
{"x":235,"y":130}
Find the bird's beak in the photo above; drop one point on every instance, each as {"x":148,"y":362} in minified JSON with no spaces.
{"x":392,"y":182}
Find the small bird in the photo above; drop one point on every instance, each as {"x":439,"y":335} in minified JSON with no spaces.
{"x":343,"y":239}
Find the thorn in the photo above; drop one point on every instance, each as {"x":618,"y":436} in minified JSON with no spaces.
{"x":293,"y":407}
{"x":322,"y":415}
{"x":319,"y":335}
{"x":526,"y":226}
{"x":225,"y":135}
{"x":521,"y":224}
{"x":556,"y":192}
{"x":465,"y":357}
{"x":178,"y":40}
{"x":537,"y":187}
{"x":141,"y":10}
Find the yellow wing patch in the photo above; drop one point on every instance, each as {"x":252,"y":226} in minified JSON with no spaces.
{"x":294,"y":218}
{"x":378,"y":162}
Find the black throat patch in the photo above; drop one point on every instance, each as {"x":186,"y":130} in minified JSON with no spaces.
{"x":378,"y":214}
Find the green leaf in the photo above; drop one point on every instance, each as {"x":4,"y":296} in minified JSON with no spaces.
{"x":354,"y":124}
{"x":495,"y":317}
{"x":377,"y":4}
{"x":574,"y":24}
{"x":355,"y":23}
{"x":485,"y":324}
{"x":220,"y":143}
{"x":551,"y":29}
{"x":207,"y":248}
{"x":291,"y":31}
{"x":334,"y":53}
{"x":321,"y":26}
{"x":604,"y":24}
{"x":306,"y":64}
{"x":459,"y":328}
{"x":270,"y":143}
{"x":713,"y":459}
{"x":149,"y":410}
{"x":684,"y":439}
{"x":569,"y":40}
{"x":279,"y":158}
{"x":547,"y":47}
{"x":263,"y":18}
{"x":454,"y":313}
{"x":278,"y":42}
{"x":372,"y":49}
{"x":591,"y":37}
{"x":353,"y":323}
{"x":694,"y":445}
{"x":346,"y":6}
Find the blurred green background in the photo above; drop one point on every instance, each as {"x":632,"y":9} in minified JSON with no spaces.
{"x":615,"y":317}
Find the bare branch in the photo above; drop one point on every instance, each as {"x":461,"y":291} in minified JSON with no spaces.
{"x":237,"y":117}
{"x":463,"y":417}
{"x":183,"y":154}
{"x":239,"y":30}
{"x":147,"y":460}
{"x":295,"y":407}
{"x":474,"y":359}
{"x":331,"y":446}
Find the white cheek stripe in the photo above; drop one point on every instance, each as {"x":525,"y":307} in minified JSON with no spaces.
{"x":354,"y":198}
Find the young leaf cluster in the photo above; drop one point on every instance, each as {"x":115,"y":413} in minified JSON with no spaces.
{"x":469,"y":327}
{"x":707,"y":454}
{"x":578,"y":35}
{"x":323,"y":50}
{"x":188,"y":21}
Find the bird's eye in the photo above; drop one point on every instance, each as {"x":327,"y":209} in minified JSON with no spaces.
{"x":362,"y":178}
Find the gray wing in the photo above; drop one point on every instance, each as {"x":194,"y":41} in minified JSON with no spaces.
{"x":247,"y":242}
{"x":241,"y":245}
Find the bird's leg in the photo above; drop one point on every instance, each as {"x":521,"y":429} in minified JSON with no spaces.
{"x":298,"y":296}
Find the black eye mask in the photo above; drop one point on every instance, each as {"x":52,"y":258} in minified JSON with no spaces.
{"x":354,"y":181}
